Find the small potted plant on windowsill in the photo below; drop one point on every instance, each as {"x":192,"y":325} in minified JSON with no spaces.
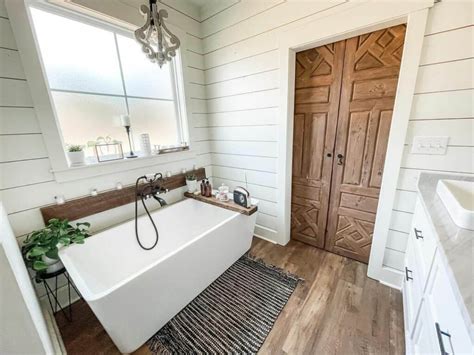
{"x":76,"y":155}
{"x":191,"y":182}
{"x":40,"y":248}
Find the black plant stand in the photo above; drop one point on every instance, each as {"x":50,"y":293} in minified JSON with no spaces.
{"x":53,"y":293}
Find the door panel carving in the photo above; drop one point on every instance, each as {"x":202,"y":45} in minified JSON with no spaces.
{"x":371,"y":67}
{"x":344,"y":97}
{"x":318,"y":84}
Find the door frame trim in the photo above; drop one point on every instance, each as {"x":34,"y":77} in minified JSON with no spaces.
{"x":353,"y":20}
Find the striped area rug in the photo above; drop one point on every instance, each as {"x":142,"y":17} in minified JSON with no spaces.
{"x":233,"y":315}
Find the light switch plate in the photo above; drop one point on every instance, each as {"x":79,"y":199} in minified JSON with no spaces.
{"x":435,"y":145}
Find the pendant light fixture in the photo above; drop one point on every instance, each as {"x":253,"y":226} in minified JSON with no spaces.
{"x":157,"y":41}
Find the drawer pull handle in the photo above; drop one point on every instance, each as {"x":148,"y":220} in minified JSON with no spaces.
{"x":440,"y":334}
{"x":418,"y":234}
{"x":407,"y":276}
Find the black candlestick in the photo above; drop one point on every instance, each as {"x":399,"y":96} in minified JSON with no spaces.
{"x":131,"y":154}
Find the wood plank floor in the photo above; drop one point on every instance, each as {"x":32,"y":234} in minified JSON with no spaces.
{"x":336,"y":310}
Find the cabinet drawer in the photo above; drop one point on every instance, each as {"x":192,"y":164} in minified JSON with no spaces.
{"x":424,"y":241}
{"x":453,"y":333}
{"x":412,"y":290}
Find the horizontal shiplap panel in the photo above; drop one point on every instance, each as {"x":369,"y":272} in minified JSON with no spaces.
{"x":6,"y":34}
{"x":15,"y":93}
{"x":247,"y":66}
{"x":281,"y":15}
{"x":445,"y":76}
{"x":262,"y":149}
{"x":394,"y":259}
{"x":245,"y":162}
{"x":194,"y":60}
{"x":449,"y":14}
{"x":443,"y":47}
{"x":255,"y":100}
{"x":194,"y":75}
{"x":252,"y":177}
{"x":405,"y":201}
{"x":264,"y":116}
{"x":460,"y":131}
{"x":196,"y":91}
{"x":200,"y":134}
{"x":265,"y":233}
{"x":268,"y":208}
{"x":256,"y":191}
{"x":401,"y":221}
{"x":214,"y":7}
{"x":193,"y":43}
{"x":397,"y":240}
{"x":21,"y":147}
{"x":18,"y":120}
{"x":10,"y":64}
{"x":266,"y":220}
{"x":263,"y":81}
{"x":198,"y":106}
{"x":241,"y":11}
{"x":451,"y":104}
{"x":456,"y":159}
{"x":3,"y":9}
{"x":256,"y":133}
{"x":255,"y":45}
{"x":24,"y":172}
{"x":25,"y":222}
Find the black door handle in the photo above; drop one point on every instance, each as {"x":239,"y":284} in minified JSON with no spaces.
{"x":440,"y":334}
{"x":407,"y":270}
{"x":418,"y":234}
{"x":340,"y":159}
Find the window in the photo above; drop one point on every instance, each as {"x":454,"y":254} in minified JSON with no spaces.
{"x":96,"y":73}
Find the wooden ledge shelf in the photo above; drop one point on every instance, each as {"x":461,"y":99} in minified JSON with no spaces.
{"x":89,"y":205}
{"x":229,"y":205}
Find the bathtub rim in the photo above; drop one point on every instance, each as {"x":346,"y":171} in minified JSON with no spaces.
{"x":90,"y":296}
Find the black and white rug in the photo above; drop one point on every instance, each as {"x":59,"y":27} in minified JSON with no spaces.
{"x":233,"y":315}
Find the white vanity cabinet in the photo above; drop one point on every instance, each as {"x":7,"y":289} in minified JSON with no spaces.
{"x":434,"y":322}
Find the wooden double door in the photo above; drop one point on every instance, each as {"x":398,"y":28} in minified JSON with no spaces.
{"x":344,"y":98}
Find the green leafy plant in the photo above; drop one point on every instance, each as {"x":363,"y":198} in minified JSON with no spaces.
{"x":75,"y":148}
{"x":190,"y":177}
{"x":45,"y":242}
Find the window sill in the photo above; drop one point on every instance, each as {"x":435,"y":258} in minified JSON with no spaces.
{"x":115,"y":166}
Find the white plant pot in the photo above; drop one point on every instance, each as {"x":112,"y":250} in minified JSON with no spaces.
{"x":192,"y":185}
{"x":76,"y":158}
{"x":53,"y":264}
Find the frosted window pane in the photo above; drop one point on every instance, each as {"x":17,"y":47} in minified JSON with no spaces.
{"x":77,"y":56}
{"x":84,"y":117}
{"x":142,"y":77}
{"x":157,"y":118}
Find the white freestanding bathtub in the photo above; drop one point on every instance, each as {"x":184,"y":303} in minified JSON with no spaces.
{"x":134,"y":292}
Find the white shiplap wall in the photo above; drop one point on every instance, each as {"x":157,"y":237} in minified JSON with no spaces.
{"x":242,"y":80}
{"x":443,"y":106}
{"x":26,"y":183}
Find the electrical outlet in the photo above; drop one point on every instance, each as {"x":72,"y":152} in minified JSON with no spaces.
{"x":429,"y":145}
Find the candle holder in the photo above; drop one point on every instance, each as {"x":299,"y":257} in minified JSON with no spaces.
{"x":131,"y":154}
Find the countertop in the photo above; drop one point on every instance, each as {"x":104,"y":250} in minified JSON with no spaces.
{"x":456,"y":245}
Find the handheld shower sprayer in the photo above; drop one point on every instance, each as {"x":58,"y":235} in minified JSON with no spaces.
{"x":149,"y":188}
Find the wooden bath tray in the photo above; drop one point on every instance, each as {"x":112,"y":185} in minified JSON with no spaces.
{"x":229,"y":205}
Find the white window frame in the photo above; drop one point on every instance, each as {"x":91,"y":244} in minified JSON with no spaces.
{"x":27,"y":43}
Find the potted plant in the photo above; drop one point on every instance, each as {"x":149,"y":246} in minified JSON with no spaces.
{"x":76,"y":155}
{"x":191,"y":182}
{"x":40,"y":248}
